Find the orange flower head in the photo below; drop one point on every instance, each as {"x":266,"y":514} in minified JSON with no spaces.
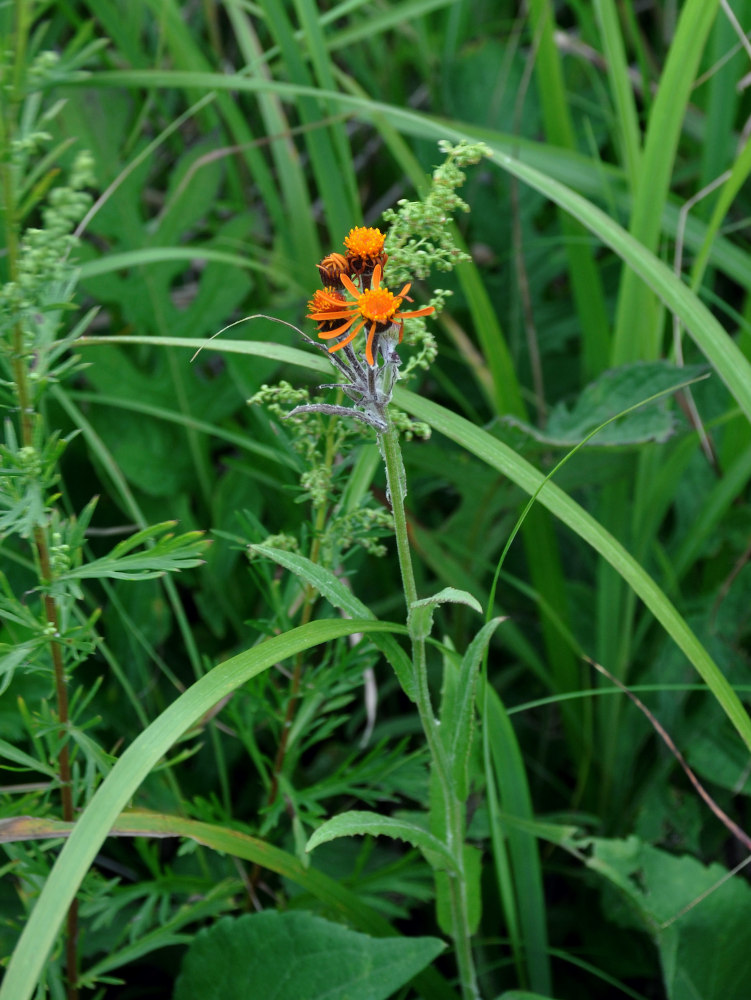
{"x":364,"y":251}
{"x":332,"y":268}
{"x":376,"y":306}
{"x":363,"y":241}
{"x":327,"y":304}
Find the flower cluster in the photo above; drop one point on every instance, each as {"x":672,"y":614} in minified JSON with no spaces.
{"x":352,"y":299}
{"x":343,"y":307}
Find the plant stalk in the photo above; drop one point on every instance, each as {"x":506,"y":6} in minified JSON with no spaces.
{"x":454,"y":832}
{"x":309,"y":599}
{"x":26,"y":423}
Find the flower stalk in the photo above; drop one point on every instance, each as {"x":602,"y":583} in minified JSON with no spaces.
{"x":354,"y":299}
{"x":454,"y":832}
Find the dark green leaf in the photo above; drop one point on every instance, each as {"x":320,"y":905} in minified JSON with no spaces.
{"x":682,"y":903}
{"x":358,"y":823}
{"x":297,"y":956}
{"x":612,"y":393}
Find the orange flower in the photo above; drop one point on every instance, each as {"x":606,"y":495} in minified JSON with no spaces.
{"x":327,"y":302}
{"x":332,"y":268}
{"x":376,"y":306}
{"x":365,"y":242}
{"x":364,"y":250}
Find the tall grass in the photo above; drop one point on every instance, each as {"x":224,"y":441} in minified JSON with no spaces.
{"x":233,"y":146}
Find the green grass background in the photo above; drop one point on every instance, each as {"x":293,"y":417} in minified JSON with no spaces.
{"x":235,"y":144}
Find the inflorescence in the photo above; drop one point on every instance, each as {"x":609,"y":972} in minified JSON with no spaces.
{"x":352,"y":299}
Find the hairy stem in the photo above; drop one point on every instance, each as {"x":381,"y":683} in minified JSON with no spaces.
{"x":454,"y":830}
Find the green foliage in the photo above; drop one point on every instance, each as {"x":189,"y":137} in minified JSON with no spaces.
{"x":677,"y":899}
{"x":358,"y":823}
{"x":608,"y":396}
{"x":281,"y":954}
{"x":195,"y":594}
{"x":421,"y":612}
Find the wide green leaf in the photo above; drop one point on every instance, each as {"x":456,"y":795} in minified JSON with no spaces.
{"x":681,"y":903}
{"x":612,"y":393}
{"x":297,"y":956}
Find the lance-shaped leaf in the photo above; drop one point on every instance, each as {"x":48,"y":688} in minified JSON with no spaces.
{"x":421,"y":612}
{"x":359,"y":823}
{"x":457,"y":713}
{"x":337,"y":593}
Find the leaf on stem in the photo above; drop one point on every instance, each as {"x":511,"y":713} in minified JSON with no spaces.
{"x":421,"y":612}
{"x":359,"y":823}
{"x":169,"y":553}
{"x":340,"y":596}
{"x":470,"y":877}
{"x":457,"y":714}
{"x":289,"y":956}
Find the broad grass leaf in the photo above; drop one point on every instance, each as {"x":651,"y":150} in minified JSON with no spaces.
{"x":298,"y":956}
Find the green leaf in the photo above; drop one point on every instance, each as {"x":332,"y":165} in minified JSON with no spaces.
{"x":613,"y":392}
{"x":332,"y":894}
{"x":421,"y":612}
{"x":470,"y":879}
{"x":457,"y":713}
{"x":517,"y":856}
{"x":358,"y":823}
{"x":682,"y":903}
{"x":337,"y":593}
{"x":298,"y":956}
{"x":13,"y":656}
{"x":637,"y":332}
{"x":169,"y":553}
{"x":118,"y":788}
{"x":24,"y":761}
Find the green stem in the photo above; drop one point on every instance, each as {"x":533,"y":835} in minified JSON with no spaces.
{"x":26,"y":410}
{"x":454,"y":832}
{"x":309,"y":599}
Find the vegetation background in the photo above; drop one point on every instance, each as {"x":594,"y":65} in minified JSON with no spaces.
{"x":232,"y":145}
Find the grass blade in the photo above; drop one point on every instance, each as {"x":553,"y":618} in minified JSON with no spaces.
{"x":637,"y":334}
{"x":125,"y":778}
